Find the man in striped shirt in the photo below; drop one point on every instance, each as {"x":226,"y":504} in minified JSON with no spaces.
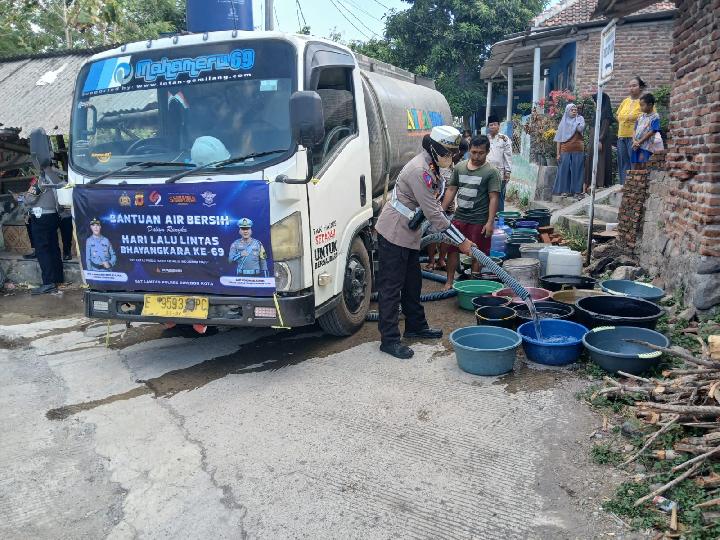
{"x":477,"y":185}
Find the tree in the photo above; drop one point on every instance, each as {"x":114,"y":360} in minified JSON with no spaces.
{"x":449,"y":40}
{"x":42,"y":25}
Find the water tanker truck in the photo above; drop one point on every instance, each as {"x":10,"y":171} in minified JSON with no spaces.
{"x":232,"y":178}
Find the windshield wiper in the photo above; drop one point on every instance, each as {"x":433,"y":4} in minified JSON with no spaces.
{"x":223,"y":163}
{"x":142,"y":164}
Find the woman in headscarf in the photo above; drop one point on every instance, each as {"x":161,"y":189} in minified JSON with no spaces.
{"x":570,"y":153}
{"x":604,"y":167}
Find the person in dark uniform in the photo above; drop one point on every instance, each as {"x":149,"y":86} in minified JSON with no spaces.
{"x":45,"y":222}
{"x":248,"y":252}
{"x":99,"y":253}
{"x":399,"y":276}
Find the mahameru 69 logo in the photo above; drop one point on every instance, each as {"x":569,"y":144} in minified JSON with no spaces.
{"x":123,"y":73}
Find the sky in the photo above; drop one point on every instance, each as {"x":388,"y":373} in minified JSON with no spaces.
{"x":354,"y":19}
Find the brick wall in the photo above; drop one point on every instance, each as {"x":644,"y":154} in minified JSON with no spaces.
{"x":693,"y":207}
{"x":680,"y":238}
{"x":640,"y":49}
{"x":632,"y":208}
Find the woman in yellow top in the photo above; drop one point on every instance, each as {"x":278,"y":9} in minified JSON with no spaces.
{"x":627,"y":114}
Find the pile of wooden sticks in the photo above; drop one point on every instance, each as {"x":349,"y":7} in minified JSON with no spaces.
{"x":689,"y":397}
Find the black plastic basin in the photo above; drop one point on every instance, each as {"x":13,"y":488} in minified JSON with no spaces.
{"x":546,"y":310}
{"x":558,"y":282}
{"x":594,"y":311}
{"x":502,"y":316}
{"x":490,"y":301}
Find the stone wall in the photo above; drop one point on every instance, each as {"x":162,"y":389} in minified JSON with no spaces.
{"x":641,"y":49}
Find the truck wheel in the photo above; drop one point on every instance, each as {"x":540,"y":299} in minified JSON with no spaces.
{"x":348,"y":315}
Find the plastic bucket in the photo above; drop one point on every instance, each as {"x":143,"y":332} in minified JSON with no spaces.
{"x":559,"y":282}
{"x":512,"y":248}
{"x":525,"y":271}
{"x":526,"y":224}
{"x":535,"y":293}
{"x":543,"y":219}
{"x":562,"y":344}
{"x":509,"y":215}
{"x":546,"y":310}
{"x":502,"y":316}
{"x":485,"y":350}
{"x":497,"y":254}
{"x":636,"y":289}
{"x":489,"y":300}
{"x":471,"y":288}
{"x":524,"y":231}
{"x":532,"y":251}
{"x":608,"y":349}
{"x":595,"y":311}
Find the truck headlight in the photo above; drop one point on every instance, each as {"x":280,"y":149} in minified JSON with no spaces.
{"x":286,"y":237}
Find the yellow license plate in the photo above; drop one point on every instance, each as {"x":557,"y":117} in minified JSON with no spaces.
{"x":184,"y":307}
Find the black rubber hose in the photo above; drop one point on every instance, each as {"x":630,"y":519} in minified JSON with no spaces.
{"x":485,"y":261}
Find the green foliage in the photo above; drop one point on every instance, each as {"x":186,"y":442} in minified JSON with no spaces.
{"x":524,"y":108}
{"x":662,"y":105}
{"x":576,"y":240}
{"x":27,"y":27}
{"x":449,"y":40}
{"x":603,"y":454}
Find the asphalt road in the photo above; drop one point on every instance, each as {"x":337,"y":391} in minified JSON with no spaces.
{"x":148,"y":433}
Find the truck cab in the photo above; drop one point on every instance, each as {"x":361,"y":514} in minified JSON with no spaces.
{"x":320,"y":127}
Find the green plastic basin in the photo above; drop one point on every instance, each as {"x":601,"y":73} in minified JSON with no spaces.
{"x":472,"y":288}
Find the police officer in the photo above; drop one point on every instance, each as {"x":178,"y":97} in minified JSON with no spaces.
{"x":248,"y":252}
{"x":99,"y":253}
{"x":399,"y":276}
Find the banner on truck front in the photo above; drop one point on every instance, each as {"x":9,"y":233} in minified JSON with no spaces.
{"x":209,"y":237}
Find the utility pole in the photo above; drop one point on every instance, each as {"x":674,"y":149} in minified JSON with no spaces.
{"x":68,"y":40}
{"x":269,"y":14}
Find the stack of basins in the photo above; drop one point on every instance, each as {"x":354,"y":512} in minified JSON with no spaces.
{"x":614,"y":324}
{"x":523,"y":232}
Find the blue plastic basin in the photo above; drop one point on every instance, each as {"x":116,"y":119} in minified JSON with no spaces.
{"x":485,"y":350}
{"x":609,"y":350}
{"x":563,"y":346}
{"x":636,"y":289}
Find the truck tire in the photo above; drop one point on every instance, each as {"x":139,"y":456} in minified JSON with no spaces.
{"x":348,"y":316}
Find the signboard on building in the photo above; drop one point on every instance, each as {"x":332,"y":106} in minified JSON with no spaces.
{"x":607,"y":54}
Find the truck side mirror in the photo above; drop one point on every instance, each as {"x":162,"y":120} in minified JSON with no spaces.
{"x":306,"y":118}
{"x":41,"y":151}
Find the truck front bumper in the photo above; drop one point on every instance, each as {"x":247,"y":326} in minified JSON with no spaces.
{"x":224,"y":310}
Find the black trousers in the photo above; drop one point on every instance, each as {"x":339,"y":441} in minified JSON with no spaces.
{"x":47,"y":248}
{"x":399,"y":284}
{"x":66,"y":233}
{"x":28,"y":227}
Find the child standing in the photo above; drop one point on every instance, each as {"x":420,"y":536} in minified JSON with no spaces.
{"x":646,"y":127}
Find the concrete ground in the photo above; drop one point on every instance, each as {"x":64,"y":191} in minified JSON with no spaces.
{"x":149,"y":433}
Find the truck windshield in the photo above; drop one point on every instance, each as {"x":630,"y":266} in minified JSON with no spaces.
{"x":185,"y":105}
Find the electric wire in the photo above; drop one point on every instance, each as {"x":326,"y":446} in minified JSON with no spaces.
{"x":301,"y":12}
{"x":358,"y":19}
{"x":349,"y":21}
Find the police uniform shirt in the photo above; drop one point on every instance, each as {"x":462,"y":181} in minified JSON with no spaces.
{"x":500,"y":155}
{"x":414,"y":188}
{"x":249,"y":255}
{"x":98,"y":250}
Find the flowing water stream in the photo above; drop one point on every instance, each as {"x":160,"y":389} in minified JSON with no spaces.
{"x":535,"y":318}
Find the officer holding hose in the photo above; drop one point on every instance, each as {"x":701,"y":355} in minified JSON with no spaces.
{"x":399,"y":236}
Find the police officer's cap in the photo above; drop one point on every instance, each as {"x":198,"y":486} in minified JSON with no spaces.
{"x":95,"y":221}
{"x":245,"y":223}
{"x":447,"y":136}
